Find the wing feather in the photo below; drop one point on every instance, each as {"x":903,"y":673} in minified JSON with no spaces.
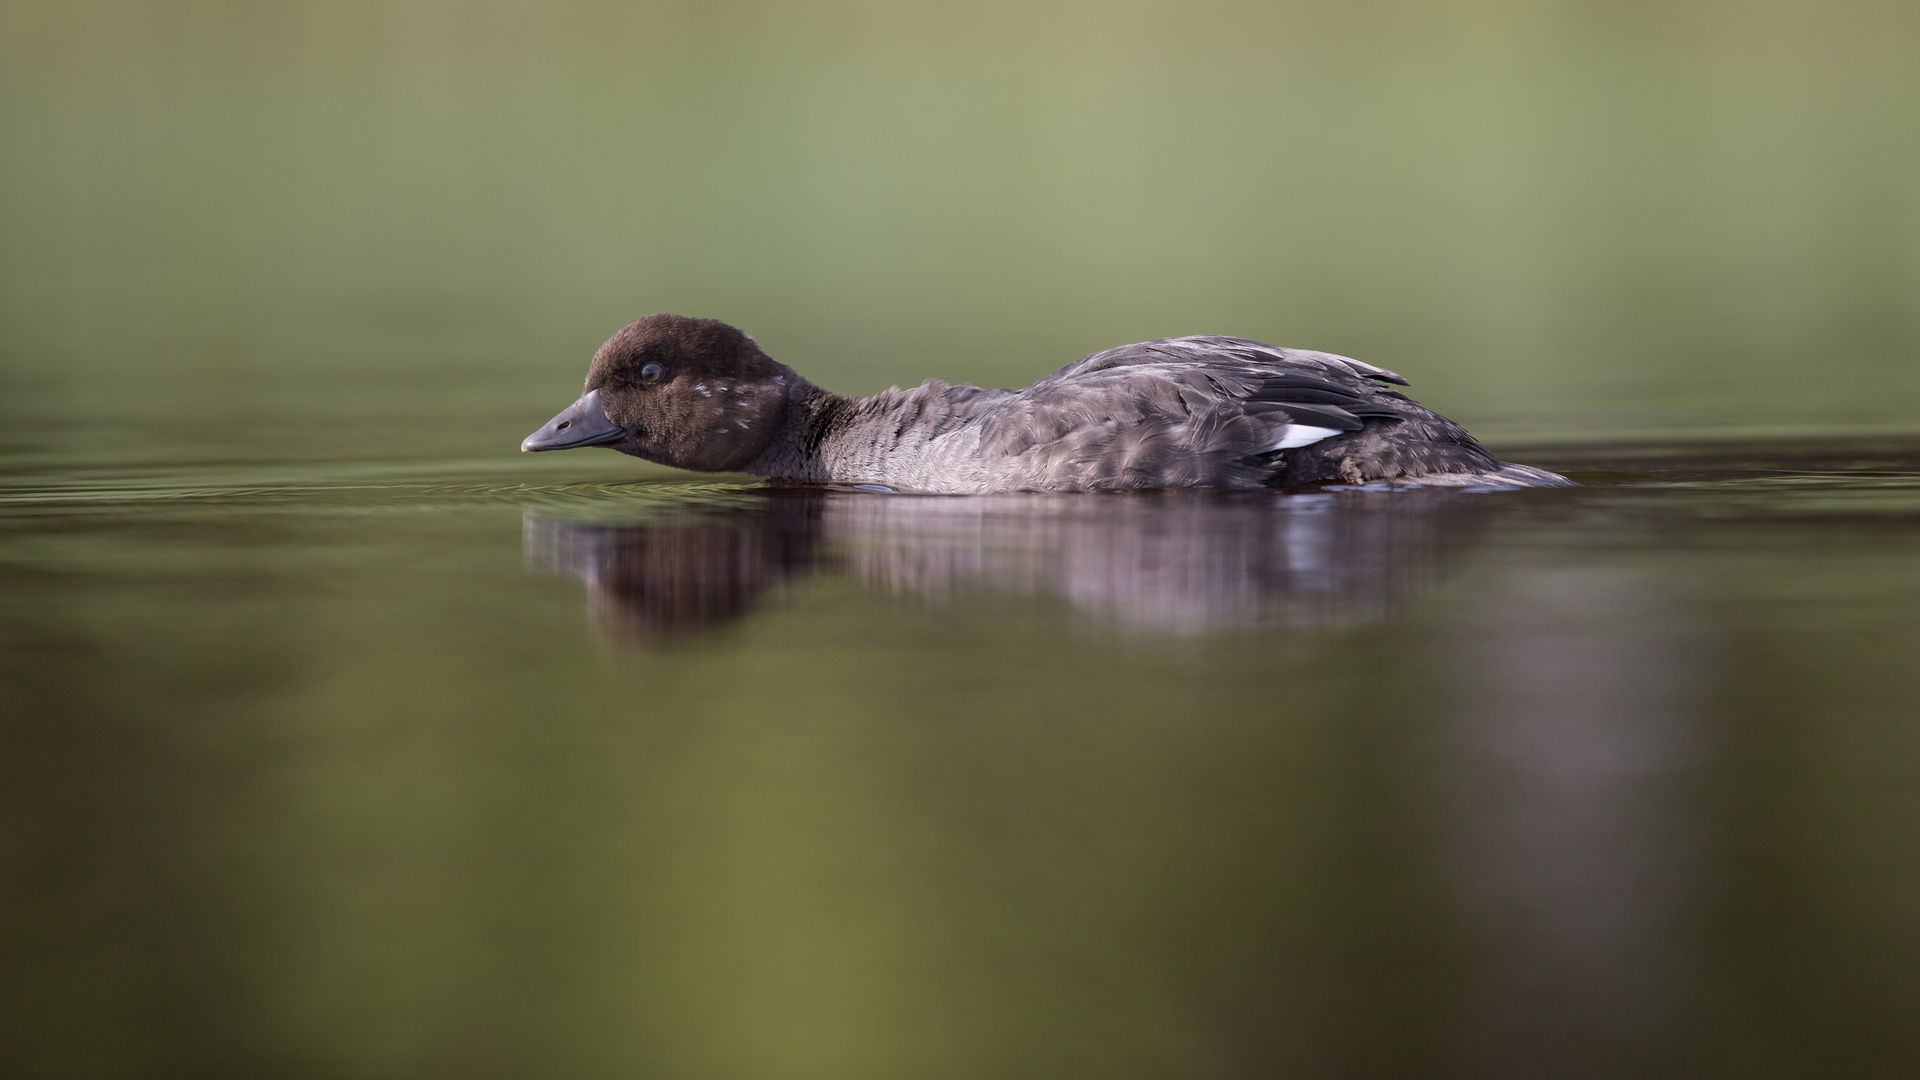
{"x":1172,"y":412}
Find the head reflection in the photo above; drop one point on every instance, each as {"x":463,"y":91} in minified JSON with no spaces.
{"x":694,"y":572}
{"x":1175,"y":563}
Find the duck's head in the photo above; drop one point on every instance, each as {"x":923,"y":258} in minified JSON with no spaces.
{"x":691,"y":393}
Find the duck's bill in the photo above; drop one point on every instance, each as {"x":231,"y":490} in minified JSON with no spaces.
{"x":583,"y":423}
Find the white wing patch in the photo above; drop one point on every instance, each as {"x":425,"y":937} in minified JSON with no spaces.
{"x":1302,"y":435}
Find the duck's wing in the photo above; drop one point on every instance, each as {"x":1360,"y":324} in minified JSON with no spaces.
{"x":1182,"y":412}
{"x":1213,"y":348}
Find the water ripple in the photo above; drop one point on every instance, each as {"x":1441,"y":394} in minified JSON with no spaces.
{"x":596,"y":498}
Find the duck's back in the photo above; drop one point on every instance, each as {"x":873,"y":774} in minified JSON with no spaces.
{"x":1227,"y":412}
{"x":1174,"y":413}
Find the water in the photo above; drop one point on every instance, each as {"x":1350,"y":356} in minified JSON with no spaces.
{"x":406,"y":777}
{"x":337,"y":739}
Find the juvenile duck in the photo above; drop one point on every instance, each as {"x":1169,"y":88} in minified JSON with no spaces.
{"x":1175,"y":413}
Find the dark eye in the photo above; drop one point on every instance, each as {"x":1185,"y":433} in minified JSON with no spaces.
{"x":652,"y":373}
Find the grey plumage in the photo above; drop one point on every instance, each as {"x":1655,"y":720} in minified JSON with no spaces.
{"x":1174,"y":413}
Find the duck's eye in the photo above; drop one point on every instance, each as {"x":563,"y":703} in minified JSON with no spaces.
{"x":652,"y":373}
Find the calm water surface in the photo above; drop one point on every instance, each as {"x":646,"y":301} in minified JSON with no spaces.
{"x":416,"y":776}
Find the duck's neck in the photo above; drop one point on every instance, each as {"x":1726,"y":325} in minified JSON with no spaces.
{"x":795,"y":452}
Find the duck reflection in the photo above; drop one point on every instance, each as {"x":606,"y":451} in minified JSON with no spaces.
{"x":1172,"y":563}
{"x":693,"y":572}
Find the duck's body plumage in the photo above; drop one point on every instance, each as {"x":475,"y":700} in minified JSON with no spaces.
{"x":1174,"y":413}
{"x":1186,"y":412}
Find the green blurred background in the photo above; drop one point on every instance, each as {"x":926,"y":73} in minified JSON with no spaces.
{"x":304,"y":774}
{"x":1561,"y":219}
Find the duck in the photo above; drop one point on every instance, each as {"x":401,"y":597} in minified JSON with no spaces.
{"x":1185,"y":412}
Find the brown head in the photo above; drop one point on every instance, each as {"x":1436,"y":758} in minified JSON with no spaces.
{"x":691,"y":393}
